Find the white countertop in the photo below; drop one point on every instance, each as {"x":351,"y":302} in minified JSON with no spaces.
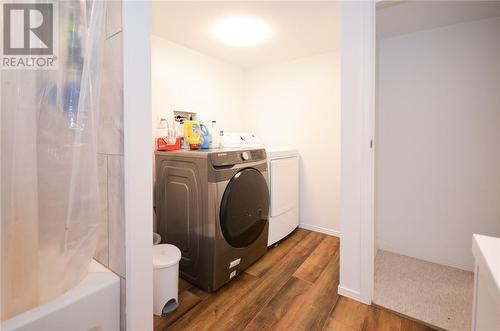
{"x":486,"y":250}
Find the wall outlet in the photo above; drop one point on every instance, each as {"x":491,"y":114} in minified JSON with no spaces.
{"x":181,"y":116}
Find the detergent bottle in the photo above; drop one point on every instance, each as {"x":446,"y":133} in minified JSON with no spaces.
{"x":206,"y":138}
{"x":192,"y":133}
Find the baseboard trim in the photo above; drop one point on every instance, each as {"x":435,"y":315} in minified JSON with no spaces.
{"x":320,"y":229}
{"x":351,"y":294}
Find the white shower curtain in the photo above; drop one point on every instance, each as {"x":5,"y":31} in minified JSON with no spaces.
{"x":49,"y":191}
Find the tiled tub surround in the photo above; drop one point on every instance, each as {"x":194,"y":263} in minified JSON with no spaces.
{"x":111,"y":245}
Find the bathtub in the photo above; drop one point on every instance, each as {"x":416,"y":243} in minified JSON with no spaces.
{"x":92,"y":305}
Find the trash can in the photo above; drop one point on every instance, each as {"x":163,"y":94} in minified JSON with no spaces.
{"x":165,"y":278}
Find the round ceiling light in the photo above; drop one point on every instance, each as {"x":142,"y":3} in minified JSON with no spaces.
{"x":241,"y":31}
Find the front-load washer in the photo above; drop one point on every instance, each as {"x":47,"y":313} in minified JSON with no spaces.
{"x":214,"y":206}
{"x":283,"y":170}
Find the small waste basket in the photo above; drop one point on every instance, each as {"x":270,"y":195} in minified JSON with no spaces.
{"x":166,"y":278}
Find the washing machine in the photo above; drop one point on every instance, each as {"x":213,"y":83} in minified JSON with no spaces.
{"x":214,"y":206}
{"x":283,"y":172}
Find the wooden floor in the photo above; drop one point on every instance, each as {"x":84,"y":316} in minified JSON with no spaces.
{"x":293,"y":287}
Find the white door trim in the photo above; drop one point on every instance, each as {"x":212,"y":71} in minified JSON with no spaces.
{"x":138,"y":164}
{"x":368,"y":186}
{"x":357,"y":156}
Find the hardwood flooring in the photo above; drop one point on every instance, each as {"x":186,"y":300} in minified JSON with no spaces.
{"x":292,"y":287}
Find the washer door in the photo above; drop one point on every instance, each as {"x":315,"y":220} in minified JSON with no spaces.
{"x":244,"y":208}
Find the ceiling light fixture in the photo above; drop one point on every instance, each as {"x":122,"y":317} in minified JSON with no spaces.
{"x":242,"y":31}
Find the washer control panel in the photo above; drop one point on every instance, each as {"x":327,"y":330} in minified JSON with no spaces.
{"x":245,"y":156}
{"x":228,"y":158}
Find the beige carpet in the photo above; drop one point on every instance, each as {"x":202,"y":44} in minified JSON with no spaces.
{"x":438,"y":295}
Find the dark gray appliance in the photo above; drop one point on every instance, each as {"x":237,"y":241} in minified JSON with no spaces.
{"x":213,"y":205}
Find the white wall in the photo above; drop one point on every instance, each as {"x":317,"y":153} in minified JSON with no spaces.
{"x":183,"y":79}
{"x":297,"y":103}
{"x":438,"y":136}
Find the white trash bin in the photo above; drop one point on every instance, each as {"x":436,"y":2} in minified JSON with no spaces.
{"x":166,"y":278}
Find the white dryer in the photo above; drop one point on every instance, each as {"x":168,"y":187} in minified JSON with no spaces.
{"x":283,"y":171}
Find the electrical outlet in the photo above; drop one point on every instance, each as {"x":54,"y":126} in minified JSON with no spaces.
{"x":181,"y":116}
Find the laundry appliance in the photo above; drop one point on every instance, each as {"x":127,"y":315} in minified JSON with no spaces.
{"x":214,"y":206}
{"x":283,"y":171}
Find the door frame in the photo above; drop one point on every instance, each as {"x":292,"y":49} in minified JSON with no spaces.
{"x":357,"y":245}
{"x":138,"y":165}
{"x":357,"y":178}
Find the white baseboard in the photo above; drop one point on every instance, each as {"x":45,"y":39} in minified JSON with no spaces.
{"x":319,"y":229}
{"x":351,"y":294}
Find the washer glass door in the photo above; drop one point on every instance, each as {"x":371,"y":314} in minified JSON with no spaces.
{"x":244,"y":208}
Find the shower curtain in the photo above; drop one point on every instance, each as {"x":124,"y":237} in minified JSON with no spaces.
{"x":49,"y":191}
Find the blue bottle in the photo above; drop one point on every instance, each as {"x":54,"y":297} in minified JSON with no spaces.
{"x":206,"y":139}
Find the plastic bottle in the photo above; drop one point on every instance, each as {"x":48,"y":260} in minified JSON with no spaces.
{"x":206,"y":139}
{"x":192,"y":133}
{"x":215,"y":134}
{"x":74,"y":68}
{"x":180,"y":133}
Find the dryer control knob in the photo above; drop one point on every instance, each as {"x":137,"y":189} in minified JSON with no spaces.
{"x":245,"y":156}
